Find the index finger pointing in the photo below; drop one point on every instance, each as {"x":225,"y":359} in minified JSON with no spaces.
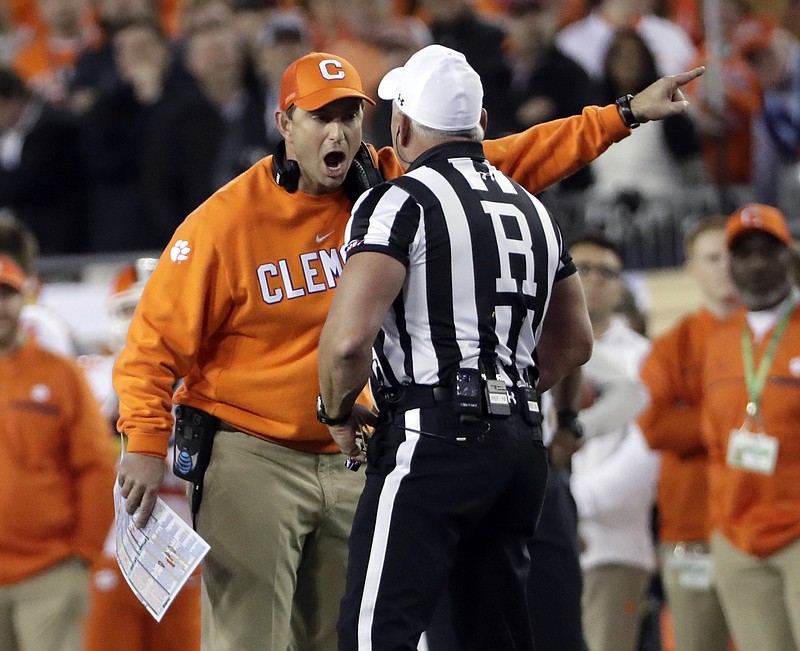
{"x":685,"y":77}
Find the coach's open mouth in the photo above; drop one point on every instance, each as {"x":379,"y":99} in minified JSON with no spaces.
{"x":335,"y":161}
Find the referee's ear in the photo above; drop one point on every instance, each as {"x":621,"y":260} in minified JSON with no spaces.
{"x":484,"y":119}
{"x":403,"y":130}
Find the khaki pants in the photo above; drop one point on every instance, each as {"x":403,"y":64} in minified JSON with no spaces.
{"x":278,"y":522}
{"x":760,"y":596}
{"x":697,"y":617}
{"x":45,"y":612}
{"x":612,"y":606}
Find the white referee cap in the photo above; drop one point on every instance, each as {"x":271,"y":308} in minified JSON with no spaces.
{"x":437,"y":88}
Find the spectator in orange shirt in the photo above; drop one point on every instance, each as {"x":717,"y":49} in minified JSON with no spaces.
{"x":55,"y":500}
{"x":47,"y":62}
{"x":774,"y":54}
{"x":671,"y":425}
{"x":729,"y":99}
{"x":750,"y":407}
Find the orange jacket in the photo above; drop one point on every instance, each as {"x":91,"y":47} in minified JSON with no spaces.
{"x":671,"y":424}
{"x":57,"y":465}
{"x":759,"y":514}
{"x":238,"y":300}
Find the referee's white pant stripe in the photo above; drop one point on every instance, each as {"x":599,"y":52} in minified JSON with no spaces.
{"x":380,"y":536}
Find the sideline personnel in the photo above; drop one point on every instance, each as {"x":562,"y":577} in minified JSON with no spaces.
{"x":456,"y":265}
{"x":57,"y":468}
{"x":750,"y":406}
{"x":235,"y":306}
{"x":671,"y":424}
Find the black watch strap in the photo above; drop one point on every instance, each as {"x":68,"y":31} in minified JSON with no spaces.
{"x":625,"y":111}
{"x":323,"y":417}
{"x":568,"y":419}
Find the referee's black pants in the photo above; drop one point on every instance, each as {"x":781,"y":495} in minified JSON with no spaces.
{"x":434,"y":510}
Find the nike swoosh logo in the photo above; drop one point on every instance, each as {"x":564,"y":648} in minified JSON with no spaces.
{"x":323,"y":237}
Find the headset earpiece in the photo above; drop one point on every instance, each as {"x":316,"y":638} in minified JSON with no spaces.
{"x":285,"y":171}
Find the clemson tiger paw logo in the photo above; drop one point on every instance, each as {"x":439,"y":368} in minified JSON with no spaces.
{"x":40,"y":393}
{"x":179,"y":251}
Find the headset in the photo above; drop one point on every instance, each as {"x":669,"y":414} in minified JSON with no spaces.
{"x":285,"y":170}
{"x":362,"y":175}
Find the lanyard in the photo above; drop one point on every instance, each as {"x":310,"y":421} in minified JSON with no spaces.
{"x":755,"y":380}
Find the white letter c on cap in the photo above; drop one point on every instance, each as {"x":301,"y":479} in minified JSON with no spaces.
{"x":326,"y":73}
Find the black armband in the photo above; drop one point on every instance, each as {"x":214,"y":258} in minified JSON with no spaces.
{"x":568,"y":419}
{"x":625,"y":111}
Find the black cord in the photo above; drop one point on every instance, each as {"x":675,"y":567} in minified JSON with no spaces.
{"x":457,"y":439}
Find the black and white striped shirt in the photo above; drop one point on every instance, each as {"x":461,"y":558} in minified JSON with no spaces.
{"x":482,"y":255}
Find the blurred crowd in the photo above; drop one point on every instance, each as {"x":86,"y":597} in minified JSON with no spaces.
{"x":118,"y":117}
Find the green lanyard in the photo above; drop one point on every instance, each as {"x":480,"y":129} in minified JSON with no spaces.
{"x":755,"y":380}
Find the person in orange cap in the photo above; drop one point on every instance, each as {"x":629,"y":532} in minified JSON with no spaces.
{"x":750,"y":407}
{"x":236,"y":305}
{"x":55,"y":498}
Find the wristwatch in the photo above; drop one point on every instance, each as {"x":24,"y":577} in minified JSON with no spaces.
{"x":568,"y":419}
{"x":323,"y":417}
{"x":625,"y":111}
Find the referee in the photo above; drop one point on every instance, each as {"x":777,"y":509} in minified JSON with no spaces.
{"x":451,"y":269}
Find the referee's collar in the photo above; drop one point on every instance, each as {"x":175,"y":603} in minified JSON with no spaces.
{"x":450,"y":149}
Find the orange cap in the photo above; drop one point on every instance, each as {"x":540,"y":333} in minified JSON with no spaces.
{"x":11,"y":274}
{"x":317,"y":79}
{"x":753,"y":33}
{"x":757,"y":217}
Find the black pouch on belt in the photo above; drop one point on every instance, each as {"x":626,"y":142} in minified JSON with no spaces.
{"x":194,"y":438}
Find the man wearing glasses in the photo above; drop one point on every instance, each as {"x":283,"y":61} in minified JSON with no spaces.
{"x":614,"y":473}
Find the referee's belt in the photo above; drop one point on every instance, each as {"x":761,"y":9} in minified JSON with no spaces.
{"x":420,"y":396}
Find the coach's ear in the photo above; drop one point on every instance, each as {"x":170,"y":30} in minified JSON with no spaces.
{"x":284,"y":123}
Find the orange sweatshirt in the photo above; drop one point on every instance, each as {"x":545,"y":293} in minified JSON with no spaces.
{"x":57,"y":467}
{"x":759,"y":514}
{"x":671,"y":424}
{"x":238,"y":300}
